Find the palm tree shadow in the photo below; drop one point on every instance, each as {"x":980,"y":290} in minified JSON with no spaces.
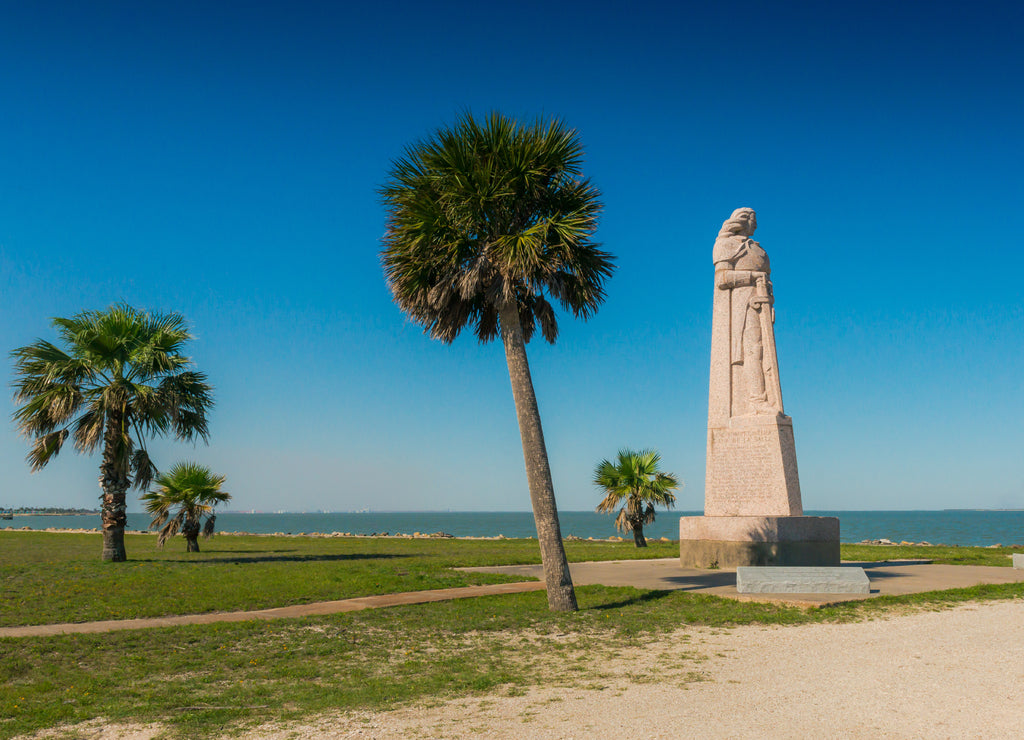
{"x":702,"y":581}
{"x":237,"y":552}
{"x":295,"y":558}
{"x":643,"y":598}
{"x":874,"y":574}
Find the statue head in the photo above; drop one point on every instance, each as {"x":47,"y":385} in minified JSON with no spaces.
{"x":742,"y":222}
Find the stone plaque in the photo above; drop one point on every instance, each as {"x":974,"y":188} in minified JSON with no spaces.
{"x":757,"y":580}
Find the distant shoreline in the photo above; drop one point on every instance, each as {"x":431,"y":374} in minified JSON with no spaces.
{"x":329,"y":535}
{"x":55,"y":513}
{"x":982,"y":509}
{"x":973,"y":528}
{"x":445,"y":536}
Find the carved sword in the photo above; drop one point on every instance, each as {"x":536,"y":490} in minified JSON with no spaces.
{"x":770,"y":359}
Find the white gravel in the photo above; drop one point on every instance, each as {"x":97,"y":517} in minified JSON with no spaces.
{"x":951,"y":674}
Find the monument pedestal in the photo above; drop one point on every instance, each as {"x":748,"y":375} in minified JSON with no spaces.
{"x":751,"y":468}
{"x":733,"y":541}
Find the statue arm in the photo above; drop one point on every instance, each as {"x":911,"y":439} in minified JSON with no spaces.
{"x":727,"y":278}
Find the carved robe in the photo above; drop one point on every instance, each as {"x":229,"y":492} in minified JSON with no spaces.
{"x":736,"y":258}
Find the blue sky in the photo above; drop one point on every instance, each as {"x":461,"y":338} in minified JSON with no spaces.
{"x":222,"y":160}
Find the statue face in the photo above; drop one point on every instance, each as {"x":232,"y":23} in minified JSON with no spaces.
{"x":749,"y":221}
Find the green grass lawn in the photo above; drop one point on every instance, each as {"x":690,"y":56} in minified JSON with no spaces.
{"x":938,"y":553}
{"x":47,"y":578}
{"x":199,"y":680}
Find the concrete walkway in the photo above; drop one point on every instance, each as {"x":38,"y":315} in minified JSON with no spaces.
{"x":893,"y":577}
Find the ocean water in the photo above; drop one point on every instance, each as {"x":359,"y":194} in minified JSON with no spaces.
{"x":958,"y":527}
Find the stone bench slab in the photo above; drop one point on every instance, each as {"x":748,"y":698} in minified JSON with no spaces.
{"x":752,"y":579}
{"x":1018,"y":561}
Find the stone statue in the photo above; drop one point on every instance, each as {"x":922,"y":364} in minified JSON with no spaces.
{"x":742,"y":279}
{"x":753,"y":512}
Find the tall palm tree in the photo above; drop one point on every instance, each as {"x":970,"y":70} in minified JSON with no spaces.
{"x":193,"y":490}
{"x":486,"y":223}
{"x":635,"y":482}
{"x":119,"y":379}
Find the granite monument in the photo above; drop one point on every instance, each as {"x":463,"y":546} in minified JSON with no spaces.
{"x":753,"y":514}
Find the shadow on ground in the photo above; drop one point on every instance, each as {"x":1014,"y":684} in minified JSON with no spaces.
{"x":201,"y":559}
{"x":702,"y":581}
{"x":644,"y":598}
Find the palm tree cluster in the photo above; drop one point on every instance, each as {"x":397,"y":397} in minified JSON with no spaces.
{"x":183,"y":496}
{"x":119,"y":378}
{"x":634,"y":482}
{"x":487,"y":225}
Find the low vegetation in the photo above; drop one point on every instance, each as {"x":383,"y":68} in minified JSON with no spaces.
{"x":204,"y":680}
{"x":634,"y":485}
{"x":183,"y":500}
{"x":48,"y":578}
{"x":951,"y":555}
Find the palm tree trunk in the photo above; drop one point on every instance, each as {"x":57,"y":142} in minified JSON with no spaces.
{"x":114,"y":483}
{"x":638,"y":535}
{"x":561,"y":596}
{"x":191,"y":532}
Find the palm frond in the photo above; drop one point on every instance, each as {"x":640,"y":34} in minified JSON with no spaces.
{"x":186,"y":398}
{"x":44,"y":448}
{"x":143,"y":469}
{"x":486,"y":213}
{"x":171,"y":528}
{"x":89,"y":428}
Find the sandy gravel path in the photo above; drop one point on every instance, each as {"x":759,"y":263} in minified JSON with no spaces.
{"x":949,"y":674}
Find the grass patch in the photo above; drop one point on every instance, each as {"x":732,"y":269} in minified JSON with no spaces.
{"x":261,"y":671}
{"x":952,"y":555}
{"x":48,"y":578}
{"x":202,"y":680}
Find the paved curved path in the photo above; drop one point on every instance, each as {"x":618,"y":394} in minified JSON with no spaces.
{"x":283,"y":612}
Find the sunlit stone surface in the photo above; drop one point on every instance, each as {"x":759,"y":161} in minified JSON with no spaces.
{"x":751,"y":481}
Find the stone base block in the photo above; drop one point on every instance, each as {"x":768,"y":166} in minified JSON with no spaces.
{"x":1018,"y":561}
{"x":775,"y":580}
{"x":734,"y":541}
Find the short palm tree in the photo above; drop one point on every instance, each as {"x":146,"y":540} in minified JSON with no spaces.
{"x":635,"y":483}
{"x":183,"y":496}
{"x":119,"y":379}
{"x":486,"y":223}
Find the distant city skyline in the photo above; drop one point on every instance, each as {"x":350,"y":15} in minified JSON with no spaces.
{"x":223,"y":161}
